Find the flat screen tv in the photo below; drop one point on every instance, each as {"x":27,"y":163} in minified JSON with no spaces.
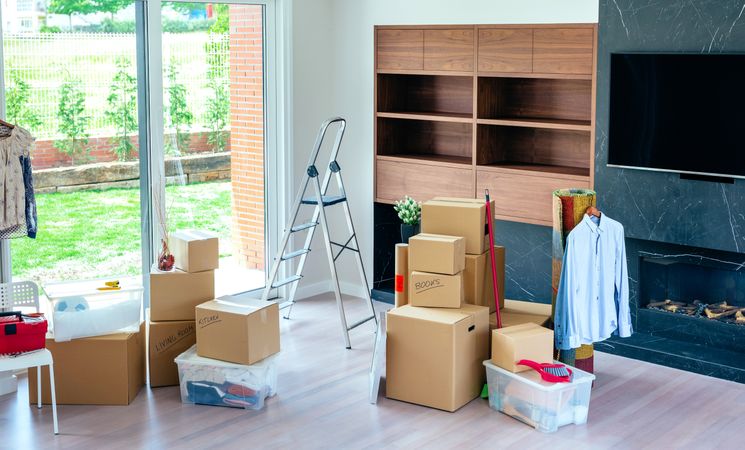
{"x":678,"y":112}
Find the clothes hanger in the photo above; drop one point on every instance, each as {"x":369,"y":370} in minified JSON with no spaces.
{"x":593,"y":211}
{"x":7,"y":124}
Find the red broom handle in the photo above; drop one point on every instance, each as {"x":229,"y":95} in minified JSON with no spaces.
{"x":490,"y":221}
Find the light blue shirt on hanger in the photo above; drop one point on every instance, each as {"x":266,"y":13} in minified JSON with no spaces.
{"x":593,"y":298}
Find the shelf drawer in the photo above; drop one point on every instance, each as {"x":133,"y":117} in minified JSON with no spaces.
{"x":448,"y":50}
{"x":400,"y":49}
{"x":421,"y":180}
{"x":524,"y":198}
{"x":563,"y":50}
{"x":505,"y":50}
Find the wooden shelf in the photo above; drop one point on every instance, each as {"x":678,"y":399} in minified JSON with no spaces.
{"x":548,"y":76}
{"x":431,"y":116}
{"x":579,"y":173}
{"x":433,"y":160}
{"x":447,"y":73}
{"x":551,"y":124}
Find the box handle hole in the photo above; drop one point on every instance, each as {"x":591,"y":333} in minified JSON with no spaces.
{"x":471,"y":328}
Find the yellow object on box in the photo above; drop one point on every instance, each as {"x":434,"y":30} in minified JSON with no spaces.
{"x":175,"y":294}
{"x":436,"y":290}
{"x":194,"y":250}
{"x":101,"y":370}
{"x":242,"y":332}
{"x":458,"y":217}
{"x":526,"y":341}
{"x":167,"y":340}
{"x":434,"y":355}
{"x":477,"y":279}
{"x":437,"y":253}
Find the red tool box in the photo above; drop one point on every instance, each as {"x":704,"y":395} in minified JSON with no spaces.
{"x":22,"y":332}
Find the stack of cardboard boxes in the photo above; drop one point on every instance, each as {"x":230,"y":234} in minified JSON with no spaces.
{"x":438,"y":333}
{"x":174,"y":296}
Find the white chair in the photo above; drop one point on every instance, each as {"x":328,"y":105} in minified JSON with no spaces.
{"x":25,"y":294}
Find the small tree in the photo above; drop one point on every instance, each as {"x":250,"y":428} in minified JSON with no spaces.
{"x":17,"y":99}
{"x":122,"y":111}
{"x":70,"y":7}
{"x":179,"y":115}
{"x":218,"y":104}
{"x":73,"y":122}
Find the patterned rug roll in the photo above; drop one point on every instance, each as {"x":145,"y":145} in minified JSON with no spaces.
{"x":569,"y":208}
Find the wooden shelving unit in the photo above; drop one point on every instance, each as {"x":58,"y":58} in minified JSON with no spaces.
{"x":459,"y":109}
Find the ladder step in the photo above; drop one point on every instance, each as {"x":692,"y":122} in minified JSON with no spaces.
{"x":295,"y":254}
{"x":303,"y":226}
{"x":356,"y":324}
{"x":327,"y":200}
{"x":292,"y":279}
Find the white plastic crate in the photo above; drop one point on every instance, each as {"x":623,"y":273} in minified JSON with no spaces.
{"x":206,"y":381}
{"x":80,"y":309}
{"x":540,"y":404}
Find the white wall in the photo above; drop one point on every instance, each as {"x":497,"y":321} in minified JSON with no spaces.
{"x":346,"y":77}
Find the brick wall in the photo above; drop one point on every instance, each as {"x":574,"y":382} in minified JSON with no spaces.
{"x":247,"y":133}
{"x":46,"y":156}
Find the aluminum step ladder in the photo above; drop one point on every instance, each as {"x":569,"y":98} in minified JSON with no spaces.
{"x":320,"y":200}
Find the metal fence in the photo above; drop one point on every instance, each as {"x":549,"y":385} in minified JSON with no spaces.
{"x":44,"y":61}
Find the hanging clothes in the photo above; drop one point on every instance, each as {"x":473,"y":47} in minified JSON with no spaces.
{"x":592,"y":302}
{"x":15,"y":147}
{"x":28,"y":182}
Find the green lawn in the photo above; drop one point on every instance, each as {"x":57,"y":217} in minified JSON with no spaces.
{"x":89,"y":234}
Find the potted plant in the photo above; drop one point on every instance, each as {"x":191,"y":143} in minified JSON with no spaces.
{"x":410,"y":213}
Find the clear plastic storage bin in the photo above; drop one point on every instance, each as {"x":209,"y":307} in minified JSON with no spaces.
{"x":542,"y":405}
{"x":80,"y":309}
{"x":207,"y":381}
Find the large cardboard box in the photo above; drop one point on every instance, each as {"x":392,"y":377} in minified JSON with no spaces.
{"x":437,"y":253}
{"x":516,"y":312}
{"x":436,"y":290}
{"x":458,"y":217}
{"x":101,"y":370}
{"x":242,"y":332}
{"x":174,"y":295}
{"x":167,"y":340}
{"x":479,"y":289}
{"x":194,"y":250}
{"x":527,"y":341}
{"x":434,"y":356}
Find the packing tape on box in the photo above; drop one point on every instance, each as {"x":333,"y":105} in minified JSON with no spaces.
{"x":402,"y":275}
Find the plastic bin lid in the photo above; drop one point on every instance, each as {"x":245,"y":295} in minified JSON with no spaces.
{"x":190,"y":357}
{"x":580,"y":376}
{"x":89,"y":287}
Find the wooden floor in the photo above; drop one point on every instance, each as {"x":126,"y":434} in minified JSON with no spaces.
{"x":322,"y":403}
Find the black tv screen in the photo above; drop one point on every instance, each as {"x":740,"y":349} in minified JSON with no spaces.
{"x":678,"y":112}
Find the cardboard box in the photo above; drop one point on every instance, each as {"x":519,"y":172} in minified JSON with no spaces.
{"x":101,"y":370}
{"x":479,"y":289}
{"x":402,"y":275}
{"x":167,"y":340}
{"x":242,"y":332}
{"x":526,"y":341}
{"x":194,"y":250}
{"x":434,"y":356}
{"x":437,"y":253}
{"x":516,"y":312}
{"x":458,"y":217}
{"x":436,"y":290}
{"x":174,"y":295}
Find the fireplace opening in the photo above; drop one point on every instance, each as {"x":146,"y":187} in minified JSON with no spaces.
{"x":693,"y":286}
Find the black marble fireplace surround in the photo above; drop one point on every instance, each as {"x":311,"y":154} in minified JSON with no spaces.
{"x":661,"y":213}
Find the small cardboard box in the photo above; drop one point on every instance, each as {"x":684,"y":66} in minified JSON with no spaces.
{"x":479,"y":289}
{"x":241,"y":332}
{"x":435,"y":290}
{"x":194,"y":250}
{"x":167,"y":340}
{"x":516,"y":312}
{"x":458,"y":217}
{"x":175,"y":294}
{"x":526,"y":341}
{"x":437,"y":253}
{"x":101,"y":370}
{"x":434,"y":355}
